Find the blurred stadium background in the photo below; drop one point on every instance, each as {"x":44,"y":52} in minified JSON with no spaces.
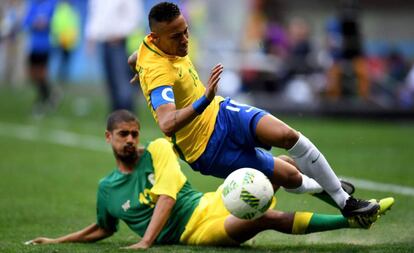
{"x":339,"y":71}
{"x":310,"y":56}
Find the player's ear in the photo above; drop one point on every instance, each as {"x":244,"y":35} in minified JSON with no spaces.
{"x":154,"y":36}
{"x":108,"y":136}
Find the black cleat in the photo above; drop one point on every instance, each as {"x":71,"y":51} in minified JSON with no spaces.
{"x":347,"y":186}
{"x":354,"y":207}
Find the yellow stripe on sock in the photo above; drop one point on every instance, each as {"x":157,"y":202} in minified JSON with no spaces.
{"x":301,"y":222}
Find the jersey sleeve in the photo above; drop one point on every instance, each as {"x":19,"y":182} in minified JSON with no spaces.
{"x":103,"y":218}
{"x":159,"y":75}
{"x":169,"y":178}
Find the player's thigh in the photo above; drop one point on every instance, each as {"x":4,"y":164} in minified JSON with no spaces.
{"x":274,"y":132}
{"x":206,"y":225}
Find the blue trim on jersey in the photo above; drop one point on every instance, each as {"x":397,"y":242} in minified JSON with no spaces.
{"x":161,"y":95}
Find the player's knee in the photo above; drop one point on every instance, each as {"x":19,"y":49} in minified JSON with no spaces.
{"x":292,"y":179}
{"x":290,"y":137}
{"x":295,"y":179}
{"x":288,"y":179}
{"x":287,"y":159}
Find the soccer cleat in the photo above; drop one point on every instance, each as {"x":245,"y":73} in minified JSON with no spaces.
{"x":385,"y":204}
{"x":359,"y":207}
{"x":347,"y":186}
{"x":363,"y":221}
{"x":366,"y":221}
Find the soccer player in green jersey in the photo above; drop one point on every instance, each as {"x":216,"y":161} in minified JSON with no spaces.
{"x":217,"y":135}
{"x":148,"y":191}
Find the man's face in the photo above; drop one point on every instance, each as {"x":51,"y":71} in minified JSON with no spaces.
{"x":172,"y":38}
{"x":124,"y":140}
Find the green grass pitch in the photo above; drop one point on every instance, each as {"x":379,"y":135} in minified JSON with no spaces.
{"x":49,"y":188}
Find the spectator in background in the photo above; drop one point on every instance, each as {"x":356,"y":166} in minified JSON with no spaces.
{"x":347,"y":77}
{"x":406,"y":93}
{"x":65,"y":31}
{"x":299,"y":46}
{"x":276,"y":40}
{"x":37,"y":23}
{"x":109,"y":23}
{"x":386,"y":90}
{"x":398,"y":69}
{"x":11,"y":19}
{"x":264,"y":38}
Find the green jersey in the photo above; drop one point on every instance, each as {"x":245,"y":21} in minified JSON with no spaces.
{"x":132,"y":197}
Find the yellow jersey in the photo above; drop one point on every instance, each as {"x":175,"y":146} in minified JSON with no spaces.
{"x":156,"y":69}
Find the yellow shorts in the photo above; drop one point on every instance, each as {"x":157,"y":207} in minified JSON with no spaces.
{"x":206,"y":225}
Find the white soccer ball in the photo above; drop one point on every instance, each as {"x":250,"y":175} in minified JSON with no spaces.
{"x":247,"y":193}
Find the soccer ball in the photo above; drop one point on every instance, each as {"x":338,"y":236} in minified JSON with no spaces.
{"x":247,"y":193}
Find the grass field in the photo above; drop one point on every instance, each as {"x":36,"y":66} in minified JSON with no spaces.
{"x":49,"y":169}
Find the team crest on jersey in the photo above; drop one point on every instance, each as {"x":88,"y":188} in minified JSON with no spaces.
{"x":151,"y":178}
{"x":126,"y":205}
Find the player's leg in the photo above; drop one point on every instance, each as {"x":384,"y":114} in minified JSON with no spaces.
{"x":38,"y":75}
{"x":311,"y":162}
{"x":289,"y":177}
{"x":239,"y":150}
{"x":293,"y":223}
{"x":318,"y":192}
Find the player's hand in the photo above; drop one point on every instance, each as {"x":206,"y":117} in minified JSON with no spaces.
{"x":132,"y":61}
{"x":134,"y":79}
{"x":140,"y":245}
{"x":215,"y":75}
{"x":41,"y":240}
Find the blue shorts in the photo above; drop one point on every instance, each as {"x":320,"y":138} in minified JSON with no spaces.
{"x":233,"y":143}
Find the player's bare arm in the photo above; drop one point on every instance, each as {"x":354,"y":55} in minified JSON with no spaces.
{"x":91,"y":233}
{"x":159,"y":218}
{"x":171,"y":120}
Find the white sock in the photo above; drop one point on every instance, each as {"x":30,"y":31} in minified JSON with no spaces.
{"x":312,"y":163}
{"x":309,"y":185}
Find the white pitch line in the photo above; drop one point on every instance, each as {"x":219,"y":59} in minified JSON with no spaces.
{"x":381,"y":187}
{"x":65,"y":138}
{"x":70,"y":139}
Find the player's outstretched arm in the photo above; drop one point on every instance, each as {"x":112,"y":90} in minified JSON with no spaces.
{"x":171,"y":120}
{"x":159,"y":218}
{"x":91,"y":233}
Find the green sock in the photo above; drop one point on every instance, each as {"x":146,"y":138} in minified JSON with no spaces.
{"x":306,"y":222}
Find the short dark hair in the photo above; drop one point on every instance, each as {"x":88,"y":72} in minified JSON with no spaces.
{"x":163,"y":12}
{"x":119,"y":116}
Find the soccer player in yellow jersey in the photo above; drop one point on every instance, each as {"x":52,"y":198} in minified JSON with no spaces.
{"x":215,"y":135}
{"x":148,"y":191}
